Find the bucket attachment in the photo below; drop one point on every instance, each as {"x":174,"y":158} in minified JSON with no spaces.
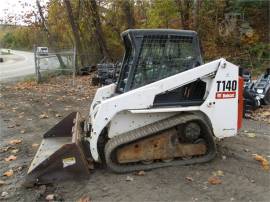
{"x":61,"y":154}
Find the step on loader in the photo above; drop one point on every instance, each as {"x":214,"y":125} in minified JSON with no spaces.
{"x":166,"y":109}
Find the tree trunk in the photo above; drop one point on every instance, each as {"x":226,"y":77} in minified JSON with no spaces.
{"x":195,"y":15}
{"x":184,"y":7}
{"x":128,"y":10}
{"x":96,"y":26}
{"x":75,"y":31}
{"x":46,"y":29}
{"x":196,"y":9}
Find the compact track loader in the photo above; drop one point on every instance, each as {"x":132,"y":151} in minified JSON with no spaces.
{"x":166,"y":109}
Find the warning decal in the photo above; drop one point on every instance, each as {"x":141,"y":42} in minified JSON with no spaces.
{"x":69,"y":162}
{"x":225,"y":95}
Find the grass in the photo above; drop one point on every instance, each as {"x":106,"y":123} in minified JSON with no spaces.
{"x":46,"y":75}
{"x":29,"y":78}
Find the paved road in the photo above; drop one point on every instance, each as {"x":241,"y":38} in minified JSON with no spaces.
{"x":18,"y":64}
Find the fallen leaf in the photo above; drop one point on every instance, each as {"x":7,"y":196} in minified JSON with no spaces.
{"x":265,"y":113}
{"x":4,"y":149}
{"x":4,"y":194}
{"x":84,"y":199}
{"x":190,"y":179}
{"x":251,"y":135}
{"x":22,"y":131}
{"x":214,"y":180}
{"x":140,"y":173}
{"x":50,"y":197}
{"x":205,"y":187}
{"x":15,"y":141}
{"x":218,"y":173}
{"x":43,"y":116}
{"x":14,"y":151}
{"x":264,"y":162}
{"x":29,"y":119}
{"x":2,"y":182}
{"x":11,"y":126}
{"x":129,"y":178}
{"x":42,"y":189}
{"x":35,"y":145}
{"x":58,"y":115}
{"x":19,"y":168}
{"x":8,"y":173}
{"x":10,"y":158}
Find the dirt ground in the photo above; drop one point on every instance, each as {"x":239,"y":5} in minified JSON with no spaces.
{"x":28,"y":110}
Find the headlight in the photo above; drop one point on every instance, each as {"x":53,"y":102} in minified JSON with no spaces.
{"x":259,"y":91}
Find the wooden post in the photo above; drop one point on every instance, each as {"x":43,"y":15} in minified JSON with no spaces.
{"x":36,"y":65}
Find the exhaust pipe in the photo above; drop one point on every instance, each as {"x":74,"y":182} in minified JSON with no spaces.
{"x":62,"y":154}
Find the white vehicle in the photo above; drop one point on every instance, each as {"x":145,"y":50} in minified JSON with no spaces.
{"x":166,"y":109}
{"x":42,"y":51}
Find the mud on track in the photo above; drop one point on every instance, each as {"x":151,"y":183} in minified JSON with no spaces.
{"x":23,"y":104}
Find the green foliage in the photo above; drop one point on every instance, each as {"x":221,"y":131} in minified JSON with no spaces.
{"x":29,"y":78}
{"x":21,"y":37}
{"x":162,"y":14}
{"x":260,"y":51}
{"x":207,"y":17}
{"x":259,"y":57}
{"x":58,"y":24}
{"x":9,"y":40}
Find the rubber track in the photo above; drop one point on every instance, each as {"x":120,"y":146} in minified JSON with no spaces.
{"x":151,"y":129}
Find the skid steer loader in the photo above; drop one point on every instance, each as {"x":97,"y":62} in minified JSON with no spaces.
{"x":166,"y":109}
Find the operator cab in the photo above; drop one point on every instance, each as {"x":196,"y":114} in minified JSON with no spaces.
{"x":152,"y":55}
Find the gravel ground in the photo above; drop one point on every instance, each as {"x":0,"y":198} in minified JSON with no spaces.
{"x":29,"y":110}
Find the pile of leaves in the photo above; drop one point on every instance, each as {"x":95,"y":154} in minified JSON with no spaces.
{"x":262,"y":114}
{"x":81,"y":86}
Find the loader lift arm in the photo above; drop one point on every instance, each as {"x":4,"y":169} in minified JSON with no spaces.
{"x":137,"y":100}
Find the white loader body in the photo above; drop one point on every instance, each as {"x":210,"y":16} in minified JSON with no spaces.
{"x":134,"y":109}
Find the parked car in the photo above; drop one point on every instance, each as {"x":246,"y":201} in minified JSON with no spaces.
{"x":42,"y":51}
